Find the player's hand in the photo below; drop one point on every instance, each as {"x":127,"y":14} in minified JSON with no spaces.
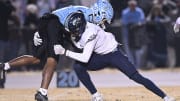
{"x":37,"y":40}
{"x":58,"y":49}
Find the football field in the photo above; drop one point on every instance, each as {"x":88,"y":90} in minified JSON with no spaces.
{"x":111,"y":83}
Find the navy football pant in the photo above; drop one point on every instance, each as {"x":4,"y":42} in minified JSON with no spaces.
{"x":117,"y":60}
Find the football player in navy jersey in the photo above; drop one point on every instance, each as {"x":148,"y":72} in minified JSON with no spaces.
{"x":99,"y":50}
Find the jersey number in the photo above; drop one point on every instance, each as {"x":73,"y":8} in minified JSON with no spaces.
{"x":67,"y":79}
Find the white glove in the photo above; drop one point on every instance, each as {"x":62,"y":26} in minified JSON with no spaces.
{"x":58,"y":49}
{"x":37,"y":40}
{"x":177,"y":25}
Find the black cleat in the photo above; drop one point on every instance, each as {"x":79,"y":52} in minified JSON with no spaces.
{"x":2,"y":75}
{"x":40,"y":97}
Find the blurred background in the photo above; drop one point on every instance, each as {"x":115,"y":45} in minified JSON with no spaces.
{"x":147,"y":34}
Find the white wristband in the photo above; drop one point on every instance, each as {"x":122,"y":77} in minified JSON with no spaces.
{"x":66,"y":53}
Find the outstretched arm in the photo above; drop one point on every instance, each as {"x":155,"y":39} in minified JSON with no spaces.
{"x":82,"y":57}
{"x":85,"y":55}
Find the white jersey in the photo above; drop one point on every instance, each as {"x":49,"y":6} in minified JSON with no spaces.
{"x":94,"y":39}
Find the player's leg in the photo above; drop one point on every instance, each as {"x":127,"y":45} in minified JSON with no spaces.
{"x":52,"y":38}
{"x":84,"y":77}
{"x":25,"y":59}
{"x":17,"y":62}
{"x":47,"y":75}
{"x":48,"y":72}
{"x":151,"y":86}
{"x":20,"y":61}
{"x":96,"y":62}
{"x":122,"y":63}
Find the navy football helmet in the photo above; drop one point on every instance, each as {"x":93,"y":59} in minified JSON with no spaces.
{"x":75,"y":23}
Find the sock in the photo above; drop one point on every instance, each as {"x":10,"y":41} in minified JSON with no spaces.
{"x":43,"y":91}
{"x":7,"y":66}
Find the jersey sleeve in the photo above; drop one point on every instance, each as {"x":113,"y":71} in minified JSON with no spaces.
{"x":89,"y":44}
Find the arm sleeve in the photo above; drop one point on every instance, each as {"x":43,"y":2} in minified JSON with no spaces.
{"x":85,"y":55}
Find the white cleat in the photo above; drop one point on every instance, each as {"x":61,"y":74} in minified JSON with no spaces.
{"x":97,"y":97}
{"x":167,"y":98}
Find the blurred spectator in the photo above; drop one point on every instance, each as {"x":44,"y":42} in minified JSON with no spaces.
{"x":5,"y":11}
{"x":118,"y":6}
{"x":177,"y":37}
{"x":132,"y":33}
{"x":31,"y":1}
{"x":43,"y":7}
{"x":30,"y":26}
{"x":14,"y":36}
{"x":20,"y":6}
{"x":52,"y":4}
{"x":87,"y":3}
{"x":64,"y":3}
{"x":169,"y":7}
{"x":178,"y":6}
{"x":146,"y":5}
{"x":157,"y":46}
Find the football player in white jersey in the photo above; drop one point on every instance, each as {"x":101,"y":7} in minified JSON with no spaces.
{"x":177,"y":25}
{"x":99,"y":49}
{"x":51,"y":31}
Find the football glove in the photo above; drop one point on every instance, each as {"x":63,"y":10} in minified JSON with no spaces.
{"x":59,"y":50}
{"x":36,"y":39}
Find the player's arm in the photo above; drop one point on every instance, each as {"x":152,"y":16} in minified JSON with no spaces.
{"x":82,"y":57}
{"x":177,"y":25}
{"x":85,"y":55}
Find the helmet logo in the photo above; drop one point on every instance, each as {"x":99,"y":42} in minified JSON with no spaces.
{"x":76,"y":21}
